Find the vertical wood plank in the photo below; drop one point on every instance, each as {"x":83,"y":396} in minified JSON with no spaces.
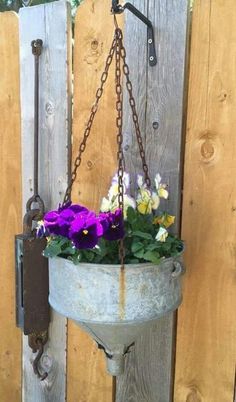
{"x":160,"y":95}
{"x":87,"y":380}
{"x":206,"y":349}
{"x":51,"y":23}
{"x":10,"y":205}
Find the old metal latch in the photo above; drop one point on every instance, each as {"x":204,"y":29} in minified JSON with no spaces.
{"x":32,"y":308}
{"x":118,"y":9}
{"x":32,"y":284}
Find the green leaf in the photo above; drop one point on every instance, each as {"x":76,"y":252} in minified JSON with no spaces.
{"x":131,"y":215}
{"x":152,"y":246}
{"x":139,"y":253}
{"x":152,"y":257}
{"x":136,"y":246}
{"x":52,"y":250}
{"x":143,"y":235}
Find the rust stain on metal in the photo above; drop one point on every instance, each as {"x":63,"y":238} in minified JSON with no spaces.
{"x":122,"y":293}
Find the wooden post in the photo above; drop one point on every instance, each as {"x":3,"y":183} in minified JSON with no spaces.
{"x":10,"y":205}
{"x":206,"y":347}
{"x":51,"y":23}
{"x":159,"y":93}
{"x":87,"y":379}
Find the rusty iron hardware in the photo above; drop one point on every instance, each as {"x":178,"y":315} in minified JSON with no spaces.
{"x":89,"y":124}
{"x":37,"y":46}
{"x":116,"y":46}
{"x":32,"y":282}
{"x":32,"y":308}
{"x":118,"y":50}
{"x":117,"y":8}
{"x":37,"y":342}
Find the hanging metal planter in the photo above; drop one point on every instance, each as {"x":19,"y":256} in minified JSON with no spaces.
{"x":112,"y":305}
{"x":115,"y":303}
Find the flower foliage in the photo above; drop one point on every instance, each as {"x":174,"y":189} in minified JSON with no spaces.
{"x":76,"y":233}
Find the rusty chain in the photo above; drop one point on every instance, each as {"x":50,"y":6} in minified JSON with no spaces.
{"x":89,"y":124}
{"x":134,"y":114}
{"x":118,"y":49}
{"x":119,"y":124}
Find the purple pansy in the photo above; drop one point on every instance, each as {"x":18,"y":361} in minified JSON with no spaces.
{"x":113,"y":225}
{"x":56,"y":224}
{"x":59,"y":222}
{"x":51,"y":222}
{"x":76,"y":208}
{"x":103,"y":218}
{"x":85,"y":231}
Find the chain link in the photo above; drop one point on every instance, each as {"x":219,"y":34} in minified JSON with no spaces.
{"x":89,"y":124}
{"x":119,"y":124}
{"x":117,"y":47}
{"x":134,"y":115}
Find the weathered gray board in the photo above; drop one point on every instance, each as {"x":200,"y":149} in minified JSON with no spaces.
{"x":51,"y":23}
{"x":160,"y":102}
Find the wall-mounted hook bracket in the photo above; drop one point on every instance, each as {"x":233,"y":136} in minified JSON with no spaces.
{"x":118,"y":9}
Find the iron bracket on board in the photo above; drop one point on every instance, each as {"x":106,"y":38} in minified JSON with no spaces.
{"x":117,"y":8}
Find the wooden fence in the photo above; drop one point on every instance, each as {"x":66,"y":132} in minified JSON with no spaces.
{"x":205,"y":352}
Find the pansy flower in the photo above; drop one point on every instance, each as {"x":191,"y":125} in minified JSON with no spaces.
{"x":58,"y":222}
{"x":113,"y":225}
{"x":146,"y":200}
{"x":85,"y":231}
{"x":41,"y":230}
{"x":162,"y":235}
{"x":160,"y":187}
{"x":111,"y":203}
{"x":76,"y":208}
{"x":165,"y":219}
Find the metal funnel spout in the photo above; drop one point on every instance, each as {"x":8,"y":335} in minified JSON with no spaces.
{"x":116,"y":340}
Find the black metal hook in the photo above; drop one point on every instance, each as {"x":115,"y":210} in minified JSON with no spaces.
{"x":44,"y":375}
{"x":116,"y":8}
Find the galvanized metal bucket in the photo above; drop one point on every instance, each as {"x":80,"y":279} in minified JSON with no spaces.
{"x":112,"y":304}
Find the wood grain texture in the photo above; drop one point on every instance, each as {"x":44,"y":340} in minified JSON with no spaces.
{"x":51,"y":23}
{"x":87,"y":380}
{"x":10,"y":205}
{"x":160,"y":98}
{"x":206,"y":349}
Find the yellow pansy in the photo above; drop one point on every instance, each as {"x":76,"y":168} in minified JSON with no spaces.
{"x":161,"y":188}
{"x":162,"y":192}
{"x":144,"y":201}
{"x":165,"y":220}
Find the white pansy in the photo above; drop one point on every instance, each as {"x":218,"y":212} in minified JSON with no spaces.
{"x":140,"y":180}
{"x":129,"y":201}
{"x":157,"y":180}
{"x":105,"y":205}
{"x":126,"y":181}
{"x":162,"y":235}
{"x":113,"y":191}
